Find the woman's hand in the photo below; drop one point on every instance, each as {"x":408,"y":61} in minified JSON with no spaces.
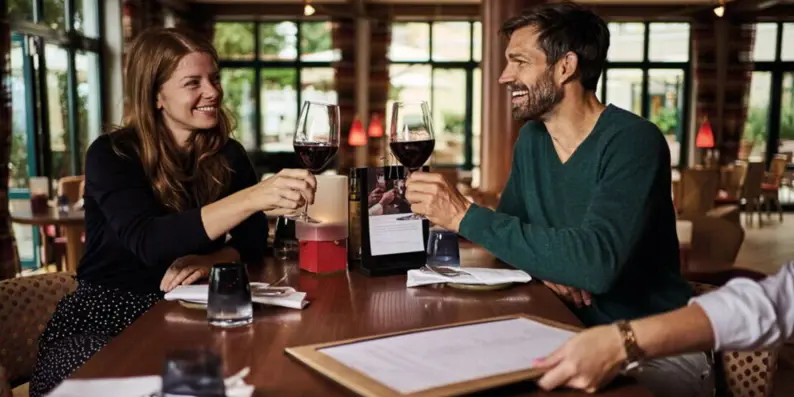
{"x":284,"y":192}
{"x":588,"y":361}
{"x":186,"y":270}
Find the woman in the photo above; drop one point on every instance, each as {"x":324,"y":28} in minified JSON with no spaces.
{"x":161,"y":194}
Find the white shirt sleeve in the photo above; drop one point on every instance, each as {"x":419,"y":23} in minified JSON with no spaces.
{"x":749,"y":315}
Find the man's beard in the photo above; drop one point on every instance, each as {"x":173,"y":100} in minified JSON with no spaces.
{"x":539,"y":101}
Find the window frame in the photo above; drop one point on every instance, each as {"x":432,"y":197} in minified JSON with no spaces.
{"x":646,"y":65}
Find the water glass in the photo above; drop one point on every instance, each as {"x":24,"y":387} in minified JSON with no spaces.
{"x":443,"y":248}
{"x":195,"y":372}
{"x":229,"y":301}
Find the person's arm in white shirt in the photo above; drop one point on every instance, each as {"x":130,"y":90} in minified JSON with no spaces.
{"x":742,"y":315}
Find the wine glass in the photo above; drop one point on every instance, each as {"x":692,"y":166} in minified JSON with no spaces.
{"x":411,"y":137}
{"x":316,"y":139}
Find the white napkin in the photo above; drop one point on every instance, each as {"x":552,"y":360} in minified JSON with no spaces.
{"x":131,"y":387}
{"x":477,"y":275}
{"x":199,"y":293}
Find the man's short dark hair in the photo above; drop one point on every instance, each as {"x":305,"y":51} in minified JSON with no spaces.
{"x":564,"y":27}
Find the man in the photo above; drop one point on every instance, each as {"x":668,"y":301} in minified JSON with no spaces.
{"x":587,"y":206}
{"x":741,"y":316}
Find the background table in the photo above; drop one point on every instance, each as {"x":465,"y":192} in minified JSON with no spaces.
{"x":344,"y":305}
{"x":72,"y":223}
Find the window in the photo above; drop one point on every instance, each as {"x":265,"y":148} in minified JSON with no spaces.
{"x":438,"y":62}
{"x":268,"y":68}
{"x":55,"y":97}
{"x":647,"y":72}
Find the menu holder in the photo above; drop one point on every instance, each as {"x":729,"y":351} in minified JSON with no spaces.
{"x":389,"y":245}
{"x":541,"y":335}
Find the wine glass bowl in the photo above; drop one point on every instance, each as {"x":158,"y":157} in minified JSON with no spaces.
{"x":411,"y":136}
{"x":316,"y":139}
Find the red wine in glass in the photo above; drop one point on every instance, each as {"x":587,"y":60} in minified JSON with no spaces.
{"x":315,"y":155}
{"x":413,"y":154}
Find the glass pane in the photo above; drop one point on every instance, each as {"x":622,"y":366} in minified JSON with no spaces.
{"x":317,"y":84}
{"x":317,"y":42}
{"x":451,"y":41}
{"x":238,"y":98}
{"x":408,"y":83}
{"x":668,"y":42}
{"x":55,"y":14}
{"x":58,"y":111}
{"x":765,"y":40}
{"x":626,"y":41}
{"x":410,"y":42}
{"x":21,"y":10}
{"x":449,"y":116}
{"x":788,"y":42}
{"x":278,"y":40}
{"x":476,"y":119}
{"x":22,"y":233}
{"x":755,"y":128}
{"x":19,"y":171}
{"x":279,"y":108}
{"x":86,"y":17}
{"x":787,"y":115}
{"x":624,"y":89}
{"x":477,"y":43}
{"x":234,"y":40}
{"x":88,"y":99}
{"x":666,"y":99}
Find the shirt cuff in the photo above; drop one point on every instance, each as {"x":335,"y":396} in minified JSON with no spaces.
{"x":714,"y":307}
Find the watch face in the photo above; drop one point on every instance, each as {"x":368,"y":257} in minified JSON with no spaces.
{"x":631,"y":367}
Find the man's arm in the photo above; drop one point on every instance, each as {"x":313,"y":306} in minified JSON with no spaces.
{"x":591,"y":255}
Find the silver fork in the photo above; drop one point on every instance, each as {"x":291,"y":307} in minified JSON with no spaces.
{"x":444,"y":271}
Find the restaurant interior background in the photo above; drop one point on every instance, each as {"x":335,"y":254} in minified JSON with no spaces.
{"x":675,"y":62}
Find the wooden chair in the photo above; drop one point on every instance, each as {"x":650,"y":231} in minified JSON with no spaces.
{"x":698,"y":190}
{"x":740,"y":374}
{"x":53,"y":242}
{"x":770,"y":187}
{"x":26,"y":305}
{"x":751,"y":191}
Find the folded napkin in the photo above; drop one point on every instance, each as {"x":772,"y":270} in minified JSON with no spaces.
{"x":137,"y":386}
{"x":260,"y":293}
{"x":476,"y":275}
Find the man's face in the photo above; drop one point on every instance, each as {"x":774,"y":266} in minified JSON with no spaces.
{"x":529,"y":79}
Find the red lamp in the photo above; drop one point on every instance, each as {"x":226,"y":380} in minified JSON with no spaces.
{"x":375,"y":126}
{"x":705,"y":136}
{"x":357,"y":137}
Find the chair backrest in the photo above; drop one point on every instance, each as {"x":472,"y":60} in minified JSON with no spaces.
{"x":777,"y":168}
{"x":26,"y":305}
{"x":742,"y":374}
{"x":698,"y":191}
{"x":751,"y":188}
{"x":70,"y":187}
{"x":733,"y":178}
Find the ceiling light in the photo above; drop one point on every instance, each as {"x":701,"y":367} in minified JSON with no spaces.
{"x":719,"y":11}
{"x":308,"y":10}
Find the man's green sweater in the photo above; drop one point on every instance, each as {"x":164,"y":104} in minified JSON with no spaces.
{"x":603,"y":221}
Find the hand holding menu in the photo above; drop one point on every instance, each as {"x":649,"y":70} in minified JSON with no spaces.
{"x":440,"y":361}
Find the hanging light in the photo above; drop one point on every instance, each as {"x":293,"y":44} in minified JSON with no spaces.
{"x":375,"y":126}
{"x":357,"y":137}
{"x":308,"y":10}
{"x":719,"y":10}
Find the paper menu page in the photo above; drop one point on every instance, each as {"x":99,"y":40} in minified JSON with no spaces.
{"x":388,"y":235}
{"x":424,"y":360}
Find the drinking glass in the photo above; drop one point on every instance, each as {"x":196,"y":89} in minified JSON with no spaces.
{"x":194,"y":372}
{"x":411,"y":137}
{"x":443,"y":248}
{"x":229,"y":301}
{"x":39,"y":194}
{"x":316,"y":139}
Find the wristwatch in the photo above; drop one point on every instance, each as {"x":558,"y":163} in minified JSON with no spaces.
{"x":634,"y":354}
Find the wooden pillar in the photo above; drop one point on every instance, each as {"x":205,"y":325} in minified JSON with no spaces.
{"x":499,"y":131}
{"x":9,"y":260}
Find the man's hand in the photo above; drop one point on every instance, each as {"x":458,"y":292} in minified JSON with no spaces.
{"x":577,"y":296}
{"x":432,"y":196}
{"x":387,"y":198}
{"x":374,"y":197}
{"x":587,"y":361}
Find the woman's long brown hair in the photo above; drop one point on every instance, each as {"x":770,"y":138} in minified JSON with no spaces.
{"x":181,"y":178}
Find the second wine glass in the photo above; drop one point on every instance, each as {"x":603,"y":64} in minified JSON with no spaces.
{"x":316,"y":139}
{"x":411,"y":137}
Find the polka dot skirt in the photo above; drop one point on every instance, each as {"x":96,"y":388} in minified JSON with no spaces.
{"x":83,"y":323}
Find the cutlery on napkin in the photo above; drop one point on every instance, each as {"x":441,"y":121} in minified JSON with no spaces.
{"x":140,"y":386}
{"x":260,"y":293}
{"x":468,"y":275}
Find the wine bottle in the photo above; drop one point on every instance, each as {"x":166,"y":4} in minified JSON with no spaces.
{"x":354,"y":218}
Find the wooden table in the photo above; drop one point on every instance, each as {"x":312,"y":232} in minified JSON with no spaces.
{"x":344,"y":305}
{"x":72,"y":223}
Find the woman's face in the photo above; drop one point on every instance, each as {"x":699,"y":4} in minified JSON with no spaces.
{"x":191,"y":98}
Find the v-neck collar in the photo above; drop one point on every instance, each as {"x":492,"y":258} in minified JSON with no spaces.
{"x":588,"y":140}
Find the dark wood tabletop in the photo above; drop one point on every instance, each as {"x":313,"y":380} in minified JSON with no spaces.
{"x":343,"y":305}
{"x":52,"y":217}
